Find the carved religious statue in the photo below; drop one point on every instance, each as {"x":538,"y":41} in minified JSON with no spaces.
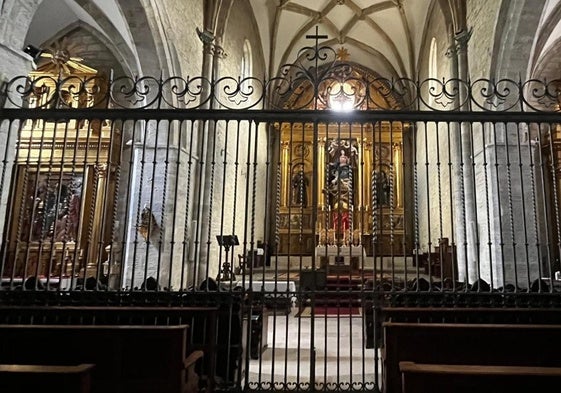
{"x":300,"y":189}
{"x":383,"y":188}
{"x":343,"y":156}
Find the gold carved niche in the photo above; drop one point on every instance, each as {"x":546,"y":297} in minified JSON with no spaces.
{"x":355,"y":192}
{"x":64,"y":180}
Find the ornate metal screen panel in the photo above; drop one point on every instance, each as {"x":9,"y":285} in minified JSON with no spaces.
{"x":298,"y":221}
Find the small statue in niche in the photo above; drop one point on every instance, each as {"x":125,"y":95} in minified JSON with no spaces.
{"x":147,"y":224}
{"x":300,"y":189}
{"x":383,"y":188}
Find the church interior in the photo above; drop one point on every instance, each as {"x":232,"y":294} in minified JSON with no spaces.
{"x":250,"y":195}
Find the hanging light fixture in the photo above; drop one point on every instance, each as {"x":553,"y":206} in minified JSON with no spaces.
{"x":342,"y":97}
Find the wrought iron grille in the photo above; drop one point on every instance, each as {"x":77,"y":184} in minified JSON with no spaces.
{"x":299,"y":219}
{"x":317,"y":80}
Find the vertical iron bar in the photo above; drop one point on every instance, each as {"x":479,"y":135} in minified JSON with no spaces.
{"x":451,"y":169}
{"x":486,"y":174}
{"x":533,"y":174}
{"x":440,"y":220}
{"x":190,"y":231}
{"x":499,"y":209}
{"x":556,"y":201}
{"x":511,"y":206}
{"x":463,"y":202}
{"x":164,"y":186}
{"x":428,"y":206}
{"x":10,"y":201}
{"x":416,"y":229}
{"x":475,"y":228}
{"x":175,"y":170}
{"x":523,"y":200}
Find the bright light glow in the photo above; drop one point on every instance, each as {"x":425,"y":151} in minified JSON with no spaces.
{"x":342,"y":97}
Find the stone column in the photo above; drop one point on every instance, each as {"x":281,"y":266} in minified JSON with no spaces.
{"x":212,"y":53}
{"x":465,"y":214}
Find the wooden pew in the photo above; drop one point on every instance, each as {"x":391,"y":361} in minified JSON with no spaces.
{"x":512,"y":315}
{"x":471,"y":315}
{"x":127,"y":358}
{"x":17,"y":378}
{"x":202,"y":335}
{"x":467,"y":344}
{"x":445,"y":378}
{"x":207,"y":313}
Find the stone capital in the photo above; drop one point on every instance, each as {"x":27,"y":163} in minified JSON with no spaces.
{"x":214,"y":50}
{"x":461,"y":40}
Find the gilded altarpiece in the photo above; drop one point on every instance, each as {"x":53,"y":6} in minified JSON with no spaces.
{"x":64,"y":184}
{"x":355,"y":195}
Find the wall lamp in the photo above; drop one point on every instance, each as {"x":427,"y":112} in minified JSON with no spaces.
{"x":33,"y":51}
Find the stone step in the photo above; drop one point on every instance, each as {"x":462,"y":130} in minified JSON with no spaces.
{"x":388,"y":264}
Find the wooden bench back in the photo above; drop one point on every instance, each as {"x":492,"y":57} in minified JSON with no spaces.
{"x":203,"y":321}
{"x":445,"y":378}
{"x":17,"y":378}
{"x":455,"y":343}
{"x":472,"y":315}
{"x":126,"y":358}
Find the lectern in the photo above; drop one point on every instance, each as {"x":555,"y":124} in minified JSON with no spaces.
{"x":226,"y":241}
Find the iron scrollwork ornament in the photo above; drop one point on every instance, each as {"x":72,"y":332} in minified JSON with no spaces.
{"x":318,"y":78}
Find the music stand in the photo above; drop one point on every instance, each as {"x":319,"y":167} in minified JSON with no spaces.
{"x":226,"y":241}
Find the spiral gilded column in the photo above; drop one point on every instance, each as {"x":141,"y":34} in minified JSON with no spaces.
{"x":285,"y":173}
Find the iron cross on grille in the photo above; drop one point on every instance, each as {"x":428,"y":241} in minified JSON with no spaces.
{"x":316,"y":37}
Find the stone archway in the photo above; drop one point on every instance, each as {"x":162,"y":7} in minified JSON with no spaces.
{"x":516,"y":27}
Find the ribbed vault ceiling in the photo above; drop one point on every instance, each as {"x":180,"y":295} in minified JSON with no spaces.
{"x":383,"y":35}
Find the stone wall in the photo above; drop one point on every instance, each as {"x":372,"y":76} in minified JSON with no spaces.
{"x":179,"y":21}
{"x":15,"y":17}
{"x":500,"y":47}
{"x":241,"y":148}
{"x":232,"y":155}
{"x":482,"y":18}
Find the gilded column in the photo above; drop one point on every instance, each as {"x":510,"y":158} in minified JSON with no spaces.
{"x":98,"y":214}
{"x":285,"y":173}
{"x":398,"y":165}
{"x":321,"y":173}
{"x":367,"y":147}
{"x":360,"y":180}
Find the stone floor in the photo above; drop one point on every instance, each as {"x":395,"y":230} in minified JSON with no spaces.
{"x":334,"y":345}
{"x":339,"y":351}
